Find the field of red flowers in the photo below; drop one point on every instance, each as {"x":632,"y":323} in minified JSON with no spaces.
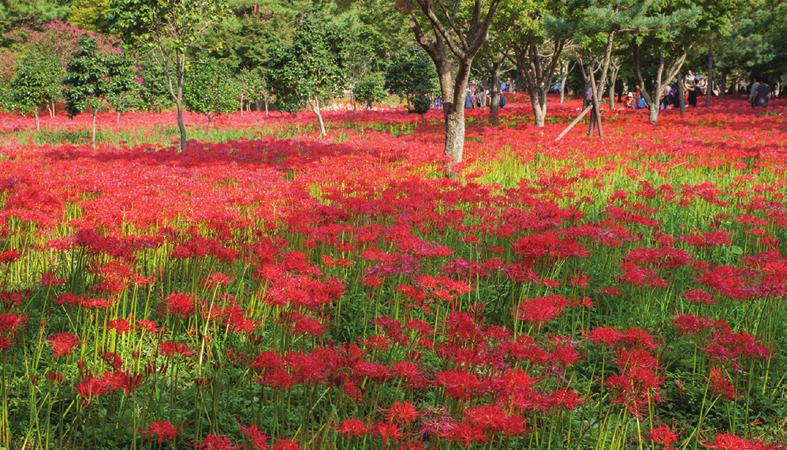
{"x":278,"y":291}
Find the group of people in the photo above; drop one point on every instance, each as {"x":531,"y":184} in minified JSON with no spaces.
{"x":477,"y":96}
{"x":694,"y":86}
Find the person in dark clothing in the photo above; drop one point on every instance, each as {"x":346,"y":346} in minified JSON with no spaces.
{"x":693,"y":89}
{"x":763,"y":95}
{"x":675,"y":96}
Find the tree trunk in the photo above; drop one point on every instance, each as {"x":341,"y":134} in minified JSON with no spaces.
{"x":539,"y":102}
{"x":564,"y":71}
{"x":454,"y":138}
{"x":613,"y":80}
{"x":723,"y":83}
{"x":494,"y":107}
{"x":653,"y":117}
{"x":38,"y":124}
{"x":93,"y":135}
{"x":316,"y":109}
{"x":117,"y":117}
{"x":51,"y":108}
{"x":682,"y":93}
{"x":241,"y":105}
{"x":563,"y":88}
{"x":709,"y":88}
{"x":179,"y":99}
{"x":595,"y":119}
{"x":266,"y":107}
{"x":455,"y":115}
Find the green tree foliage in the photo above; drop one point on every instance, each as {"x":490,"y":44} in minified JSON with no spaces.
{"x":310,"y":71}
{"x":371,"y":89}
{"x":755,"y":42}
{"x":253,"y":87}
{"x":211,"y":89}
{"x":90,"y":14}
{"x":153,"y":91}
{"x":538,"y":31}
{"x":37,"y":83}
{"x":93,"y":77}
{"x":410,"y":75}
{"x":452,"y":34}
{"x":661,"y":42}
{"x":16,"y":13}
{"x":172,"y":30}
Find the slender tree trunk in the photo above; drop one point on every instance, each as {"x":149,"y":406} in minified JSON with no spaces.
{"x":38,"y":124}
{"x":455,"y":118}
{"x":241,"y":105}
{"x":709,"y":88}
{"x":51,"y":108}
{"x":653,"y":116}
{"x":595,"y":119}
{"x":682,"y":93}
{"x":723,"y":83}
{"x":563,"y":88}
{"x":318,"y":113}
{"x":117,"y":117}
{"x":494,"y":107}
{"x":613,"y":80}
{"x":564,"y":70}
{"x":538,"y":100}
{"x":93,"y":135}
{"x":181,"y":68}
{"x":266,"y":107}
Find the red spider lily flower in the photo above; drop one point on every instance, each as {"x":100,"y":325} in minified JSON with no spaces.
{"x":302,"y":324}
{"x":458,"y":384}
{"x":125,"y":381}
{"x":258,"y":439}
{"x":541,"y":310}
{"x":63,"y":344}
{"x":49,"y":279}
{"x":91,"y":387}
{"x":402,"y":412}
{"x":352,"y":428}
{"x":14,"y":298}
{"x":55,"y":377}
{"x":492,"y":419}
{"x":216,"y":442}
{"x":388,"y":431}
{"x":148,"y":326}
{"x":733,"y":442}
{"x":549,"y":244}
{"x":5,"y":343}
{"x":113,"y":359}
{"x":121,"y":326}
{"x":9,"y":256}
{"x":411,"y":445}
{"x":663,"y":435}
{"x":161,"y":431}
{"x":285,"y":444}
{"x":565,"y":399}
{"x":728,"y":346}
{"x":698,"y":296}
{"x":465,"y":434}
{"x":720,"y":385}
{"x":179,"y":305}
{"x":10,"y":323}
{"x":410,"y":373}
{"x":218,"y":279}
{"x":171,"y":348}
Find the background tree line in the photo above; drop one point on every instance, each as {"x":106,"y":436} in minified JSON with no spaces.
{"x":303,"y":54}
